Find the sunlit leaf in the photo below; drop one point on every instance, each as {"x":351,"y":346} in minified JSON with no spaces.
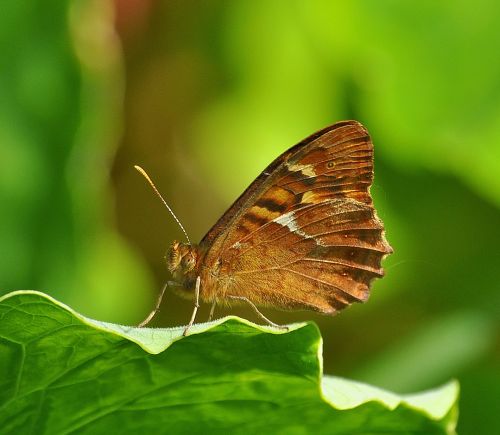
{"x":62,"y":372}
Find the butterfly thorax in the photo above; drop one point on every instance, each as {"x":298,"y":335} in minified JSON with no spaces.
{"x":183,"y":261}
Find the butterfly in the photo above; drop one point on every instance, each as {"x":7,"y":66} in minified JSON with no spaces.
{"x":303,"y":235}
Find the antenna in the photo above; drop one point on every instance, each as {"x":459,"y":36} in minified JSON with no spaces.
{"x":146,"y":176}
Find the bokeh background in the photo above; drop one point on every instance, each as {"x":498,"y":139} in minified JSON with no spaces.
{"x":204,"y":95}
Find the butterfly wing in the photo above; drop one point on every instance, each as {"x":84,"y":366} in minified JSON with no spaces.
{"x":305,"y":233}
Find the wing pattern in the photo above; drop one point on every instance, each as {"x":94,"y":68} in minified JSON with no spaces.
{"x":305,"y":233}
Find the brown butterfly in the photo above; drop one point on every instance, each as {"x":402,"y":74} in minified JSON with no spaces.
{"x":303,"y":235}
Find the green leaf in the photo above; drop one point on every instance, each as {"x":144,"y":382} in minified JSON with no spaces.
{"x":61,"y":372}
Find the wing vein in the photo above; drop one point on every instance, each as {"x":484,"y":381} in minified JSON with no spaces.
{"x":340,"y":263}
{"x":320,"y":281}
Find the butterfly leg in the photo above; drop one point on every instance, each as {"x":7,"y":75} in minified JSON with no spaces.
{"x":243,"y":298}
{"x":156,"y":308}
{"x":212,"y":309}
{"x":196,"y":306}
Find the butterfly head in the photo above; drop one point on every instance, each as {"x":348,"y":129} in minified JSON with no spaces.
{"x":182,"y":259}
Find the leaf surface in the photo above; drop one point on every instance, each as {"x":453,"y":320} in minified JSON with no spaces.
{"x":61,"y":372}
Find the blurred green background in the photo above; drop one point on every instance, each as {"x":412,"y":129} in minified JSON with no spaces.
{"x":204,"y":95}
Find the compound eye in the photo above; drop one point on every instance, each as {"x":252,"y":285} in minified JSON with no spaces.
{"x":189,"y":262}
